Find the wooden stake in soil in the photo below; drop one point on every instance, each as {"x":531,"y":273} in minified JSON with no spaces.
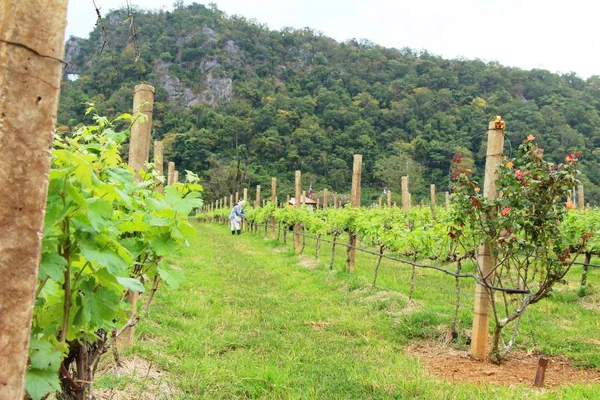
{"x":141,"y":130}
{"x":485,"y":258}
{"x":170,"y":173}
{"x":540,"y":375}
{"x":325,"y":198}
{"x":297,"y":244}
{"x":31,"y":48}
{"x":257,"y":201}
{"x":580,"y":198}
{"x":159,"y":163}
{"x":389,"y":198}
{"x":355,"y":203}
{"x":432,"y":195}
{"x":274,"y":201}
{"x":405,"y":194}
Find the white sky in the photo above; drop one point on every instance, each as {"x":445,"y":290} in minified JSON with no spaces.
{"x":557,"y":35}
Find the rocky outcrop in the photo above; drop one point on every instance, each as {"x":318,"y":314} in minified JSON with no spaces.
{"x":74,"y":55}
{"x":218,"y":90}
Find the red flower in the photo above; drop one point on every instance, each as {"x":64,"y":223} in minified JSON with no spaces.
{"x":519,"y":174}
{"x":505,"y":211}
{"x":570,"y":158}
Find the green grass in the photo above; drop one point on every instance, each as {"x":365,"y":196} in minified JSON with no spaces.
{"x":255,"y":320}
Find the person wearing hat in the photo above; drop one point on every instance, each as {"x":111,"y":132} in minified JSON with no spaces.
{"x":235,"y":217}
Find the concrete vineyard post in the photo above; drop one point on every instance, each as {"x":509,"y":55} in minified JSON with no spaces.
{"x":485,"y":257}
{"x":170,"y":173}
{"x":29,"y":92}
{"x":274,"y":201}
{"x":389,"y":198}
{"x":245,"y":198}
{"x":141,"y":130}
{"x":325,"y":198}
{"x":297,"y":205}
{"x":580,"y":198}
{"x":355,"y":203}
{"x":159,"y":162}
{"x":405,"y":194}
{"x":432,"y":195}
{"x":257,"y":201}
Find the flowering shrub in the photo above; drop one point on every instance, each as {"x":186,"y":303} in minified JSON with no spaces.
{"x":522,"y":227}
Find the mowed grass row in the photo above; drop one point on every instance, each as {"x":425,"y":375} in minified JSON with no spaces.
{"x":255,"y":320}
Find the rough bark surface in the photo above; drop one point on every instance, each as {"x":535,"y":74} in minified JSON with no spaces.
{"x":31,"y":48}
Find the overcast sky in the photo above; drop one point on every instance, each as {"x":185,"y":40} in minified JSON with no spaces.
{"x":560,"y":36}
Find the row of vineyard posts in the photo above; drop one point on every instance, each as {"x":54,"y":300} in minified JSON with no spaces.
{"x":486,"y":260}
{"x":31,"y":67}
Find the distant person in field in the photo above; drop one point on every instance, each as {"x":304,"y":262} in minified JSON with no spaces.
{"x":235,"y":217}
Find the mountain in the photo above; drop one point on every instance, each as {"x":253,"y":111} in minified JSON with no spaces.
{"x":239,"y":103}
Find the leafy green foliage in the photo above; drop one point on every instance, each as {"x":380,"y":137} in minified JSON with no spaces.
{"x":105,"y":234}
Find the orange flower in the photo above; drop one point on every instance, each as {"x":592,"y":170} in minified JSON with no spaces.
{"x":477,"y":190}
{"x":510,"y":164}
{"x":570,"y":158}
{"x":531,"y":138}
{"x":569,"y":205}
{"x":505,"y":211}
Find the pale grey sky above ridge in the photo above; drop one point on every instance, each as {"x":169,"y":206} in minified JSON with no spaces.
{"x":559,"y":36}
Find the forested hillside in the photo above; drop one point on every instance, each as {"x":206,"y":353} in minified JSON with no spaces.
{"x":239,"y":103}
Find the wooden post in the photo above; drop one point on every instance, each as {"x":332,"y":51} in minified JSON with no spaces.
{"x":31,"y":47}
{"x":580,"y":198}
{"x":432,"y":195}
{"x":405,"y":194}
{"x":274,"y":201}
{"x":237,"y":197}
{"x":541,"y":372}
{"x":257,"y":202}
{"x":141,"y":130}
{"x":303,"y":198}
{"x":485,"y":257}
{"x":231,"y":203}
{"x":325,"y":198}
{"x":318,"y":203}
{"x":447,"y":199}
{"x":288,"y":198}
{"x":395,"y":204}
{"x":264,"y":202}
{"x":170,"y":173}
{"x":335,"y":204}
{"x":159,"y":163}
{"x":355,"y":203}
{"x":389,"y":198}
{"x":297,"y":205}
{"x":380,"y":202}
{"x":176,"y":176}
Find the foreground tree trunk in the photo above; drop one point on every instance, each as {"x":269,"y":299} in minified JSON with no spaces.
{"x":31,"y":48}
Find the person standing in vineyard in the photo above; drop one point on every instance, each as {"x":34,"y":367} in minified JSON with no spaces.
{"x":235,"y":217}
